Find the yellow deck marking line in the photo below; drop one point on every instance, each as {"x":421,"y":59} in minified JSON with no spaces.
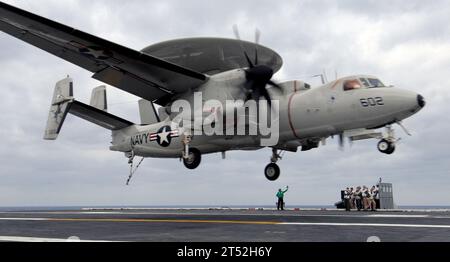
{"x":163,"y":221}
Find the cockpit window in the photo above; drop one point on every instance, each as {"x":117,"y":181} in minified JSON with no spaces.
{"x":375,"y":83}
{"x":365,"y":82}
{"x":362,"y":83}
{"x":352,"y":84}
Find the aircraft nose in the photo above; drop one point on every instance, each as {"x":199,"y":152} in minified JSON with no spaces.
{"x":421,"y":101}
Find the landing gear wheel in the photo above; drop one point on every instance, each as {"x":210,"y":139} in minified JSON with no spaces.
{"x":391,"y":149}
{"x":193,"y":160}
{"x":272,"y":172}
{"x":386,"y":147}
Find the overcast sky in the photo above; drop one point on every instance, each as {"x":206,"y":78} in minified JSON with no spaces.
{"x":405,"y":43}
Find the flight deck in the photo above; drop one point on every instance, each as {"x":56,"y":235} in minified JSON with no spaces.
{"x":224,"y":225}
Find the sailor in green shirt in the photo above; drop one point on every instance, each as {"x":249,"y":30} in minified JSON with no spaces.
{"x":280,"y":195}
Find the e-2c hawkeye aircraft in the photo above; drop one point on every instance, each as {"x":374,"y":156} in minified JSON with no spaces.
{"x":204,"y":75}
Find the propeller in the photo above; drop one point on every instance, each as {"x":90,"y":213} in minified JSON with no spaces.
{"x":257,"y":36}
{"x":341,"y":141}
{"x":258,"y":76}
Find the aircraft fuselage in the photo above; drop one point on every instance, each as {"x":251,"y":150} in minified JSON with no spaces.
{"x":305,"y":116}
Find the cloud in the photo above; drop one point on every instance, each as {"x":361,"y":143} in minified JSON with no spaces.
{"x":406,"y":43}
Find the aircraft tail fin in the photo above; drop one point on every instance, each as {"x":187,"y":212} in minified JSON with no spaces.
{"x":63,"y":103}
{"x":98,"y":98}
{"x":62,"y":97}
{"x":148,"y":113}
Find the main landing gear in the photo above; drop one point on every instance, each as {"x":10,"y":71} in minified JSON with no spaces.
{"x":272,"y":171}
{"x":192,"y":157}
{"x":387,"y":144}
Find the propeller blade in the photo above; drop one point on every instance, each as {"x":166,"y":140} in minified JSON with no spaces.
{"x":236,"y":32}
{"x":249,"y":96}
{"x":273,"y":84}
{"x":266,"y":95}
{"x":257,"y":36}
{"x":341,"y":141}
{"x":258,"y":76}
{"x":249,"y":61}
{"x":255,"y":94}
{"x":238,"y":37}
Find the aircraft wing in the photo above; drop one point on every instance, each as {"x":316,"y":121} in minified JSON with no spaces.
{"x":132,"y":71}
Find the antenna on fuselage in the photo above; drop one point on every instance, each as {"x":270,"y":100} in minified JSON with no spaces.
{"x":325,"y":76}
{"x":322,"y":78}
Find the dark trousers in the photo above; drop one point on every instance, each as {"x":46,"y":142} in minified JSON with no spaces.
{"x":359,"y":204}
{"x":280,"y":204}
{"x":347,"y":205}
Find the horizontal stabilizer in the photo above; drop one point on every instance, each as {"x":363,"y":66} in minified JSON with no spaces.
{"x":64,"y":103}
{"x":98,"y":117}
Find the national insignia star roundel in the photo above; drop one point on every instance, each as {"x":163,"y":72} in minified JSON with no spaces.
{"x":164,"y":136}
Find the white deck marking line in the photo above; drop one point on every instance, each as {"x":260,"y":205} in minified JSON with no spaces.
{"x":396,"y":216}
{"x":23,"y":219}
{"x":364,"y":225}
{"x":145,"y":220}
{"x":228,"y":222}
{"x":41,"y":239}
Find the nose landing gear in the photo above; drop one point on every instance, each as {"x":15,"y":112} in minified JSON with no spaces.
{"x":387,"y":144}
{"x":272,"y":170}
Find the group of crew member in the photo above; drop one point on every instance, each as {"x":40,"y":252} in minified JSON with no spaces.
{"x":362,"y":198}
